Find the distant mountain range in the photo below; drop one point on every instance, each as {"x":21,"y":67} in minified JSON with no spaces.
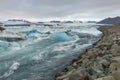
{"x":91,"y":21}
{"x":65,"y":21}
{"x":55,"y":21}
{"x":16,"y":22}
{"x":115,"y":20}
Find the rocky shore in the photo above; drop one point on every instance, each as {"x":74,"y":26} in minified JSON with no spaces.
{"x":100,"y":62}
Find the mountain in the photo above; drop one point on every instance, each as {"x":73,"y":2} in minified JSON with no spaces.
{"x":115,"y":20}
{"x":16,"y":22}
{"x":68,"y":21}
{"x":55,"y":21}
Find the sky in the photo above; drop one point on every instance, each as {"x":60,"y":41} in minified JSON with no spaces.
{"x":46,"y":10}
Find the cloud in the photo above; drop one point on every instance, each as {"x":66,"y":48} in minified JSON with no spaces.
{"x":59,"y":9}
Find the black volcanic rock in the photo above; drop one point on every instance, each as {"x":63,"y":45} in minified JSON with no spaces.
{"x":115,"y":20}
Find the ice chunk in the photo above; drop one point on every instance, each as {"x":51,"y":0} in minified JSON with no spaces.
{"x":62,"y":37}
{"x":31,"y":32}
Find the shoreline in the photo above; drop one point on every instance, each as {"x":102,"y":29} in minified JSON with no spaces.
{"x":99,"y":62}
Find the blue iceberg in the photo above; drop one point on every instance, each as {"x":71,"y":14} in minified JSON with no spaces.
{"x":62,"y":37}
{"x":31,"y":32}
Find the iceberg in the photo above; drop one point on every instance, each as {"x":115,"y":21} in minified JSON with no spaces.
{"x":11,"y":36}
{"x":30,"y":31}
{"x":61,"y":36}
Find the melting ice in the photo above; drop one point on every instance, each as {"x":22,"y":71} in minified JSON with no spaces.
{"x":47,"y":50}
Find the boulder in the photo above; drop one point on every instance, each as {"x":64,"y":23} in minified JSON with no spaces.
{"x":115,"y":49}
{"x":69,"y":68}
{"x":116,"y":60}
{"x":115,"y":64}
{"x":79,"y":74}
{"x":105,"y":63}
{"x":116,"y":75}
{"x":106,"y":78}
{"x":65,"y":76}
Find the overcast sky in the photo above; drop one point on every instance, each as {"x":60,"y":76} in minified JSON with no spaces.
{"x":42,"y":10}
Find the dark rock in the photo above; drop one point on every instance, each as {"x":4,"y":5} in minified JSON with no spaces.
{"x":106,"y":78}
{"x":79,"y":74}
{"x":105,"y":63}
{"x":116,"y":75}
{"x":115,"y":64}
{"x":115,"y":49}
